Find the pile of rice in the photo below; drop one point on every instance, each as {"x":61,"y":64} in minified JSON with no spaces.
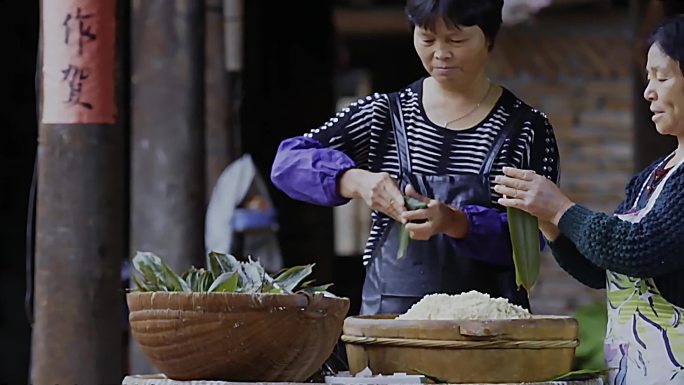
{"x":472,"y":305}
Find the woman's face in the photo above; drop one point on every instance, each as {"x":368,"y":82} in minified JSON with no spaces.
{"x":453,"y":55}
{"x":665,"y":92}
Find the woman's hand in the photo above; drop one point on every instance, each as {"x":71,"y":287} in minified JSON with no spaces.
{"x":527,"y":191}
{"x":378,"y":190}
{"x":436,"y":218}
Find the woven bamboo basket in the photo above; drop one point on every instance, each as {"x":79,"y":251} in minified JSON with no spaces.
{"x":461,"y":352}
{"x":236,"y":337}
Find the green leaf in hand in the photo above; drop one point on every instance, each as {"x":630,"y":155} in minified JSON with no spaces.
{"x":403,"y":241}
{"x":411,"y":204}
{"x":523,"y":228}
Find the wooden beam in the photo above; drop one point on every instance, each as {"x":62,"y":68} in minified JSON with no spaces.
{"x":376,"y":22}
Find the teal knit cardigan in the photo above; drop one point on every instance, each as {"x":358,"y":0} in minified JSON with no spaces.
{"x":591,"y":242}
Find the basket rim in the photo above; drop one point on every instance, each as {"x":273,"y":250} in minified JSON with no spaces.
{"x":231,"y":302}
{"x":225,"y":294}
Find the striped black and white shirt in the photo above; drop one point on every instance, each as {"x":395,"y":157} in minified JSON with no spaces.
{"x":363,"y":132}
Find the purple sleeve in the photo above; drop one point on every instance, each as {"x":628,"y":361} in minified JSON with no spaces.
{"x":305,"y":170}
{"x":488,"y":239}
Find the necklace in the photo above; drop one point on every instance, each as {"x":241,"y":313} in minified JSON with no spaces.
{"x":471,"y":111}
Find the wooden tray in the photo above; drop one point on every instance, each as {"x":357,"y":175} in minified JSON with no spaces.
{"x":496,"y":351}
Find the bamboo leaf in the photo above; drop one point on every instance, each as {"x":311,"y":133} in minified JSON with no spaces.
{"x":190,"y":277}
{"x":403,"y":241}
{"x":203,"y":281}
{"x":307,"y":283}
{"x":269,"y":285}
{"x":430,"y":377}
{"x":225,"y":283}
{"x":149,"y":266}
{"x":224,"y":273}
{"x":222,"y":263}
{"x":213,"y":263}
{"x":290,"y":278}
{"x":315,"y":289}
{"x":411,"y":204}
{"x":525,"y":242}
{"x":139,"y":286}
{"x":253,"y":274}
{"x":173,"y":281}
{"x":580,"y":375}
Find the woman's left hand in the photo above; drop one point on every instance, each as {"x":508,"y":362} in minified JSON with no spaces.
{"x":436,"y":218}
{"x":527,"y":191}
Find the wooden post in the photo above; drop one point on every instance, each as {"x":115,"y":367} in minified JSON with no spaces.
{"x":218,"y":138}
{"x":78,"y":308}
{"x":233,"y":37}
{"x":167,"y":148}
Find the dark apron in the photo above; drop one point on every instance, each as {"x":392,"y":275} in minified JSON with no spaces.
{"x":393,"y":285}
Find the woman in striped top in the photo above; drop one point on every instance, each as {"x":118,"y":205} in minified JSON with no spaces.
{"x":442,"y":140}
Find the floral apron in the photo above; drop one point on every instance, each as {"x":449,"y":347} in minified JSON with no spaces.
{"x":644,"y":342}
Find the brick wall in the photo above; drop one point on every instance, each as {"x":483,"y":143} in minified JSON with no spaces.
{"x":580,"y":79}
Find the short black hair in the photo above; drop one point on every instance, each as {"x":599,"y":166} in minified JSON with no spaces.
{"x":670,"y":38}
{"x":485,"y":14}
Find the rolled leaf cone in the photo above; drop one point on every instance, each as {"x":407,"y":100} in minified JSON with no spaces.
{"x":411,"y":204}
{"x":403,"y":242}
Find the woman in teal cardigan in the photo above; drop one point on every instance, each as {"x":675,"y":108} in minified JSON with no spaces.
{"x":637,"y":253}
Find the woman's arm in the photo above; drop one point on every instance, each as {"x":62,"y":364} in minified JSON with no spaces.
{"x":649,"y":248}
{"x":307,"y":171}
{"x":572,"y":261}
{"x":309,"y":167}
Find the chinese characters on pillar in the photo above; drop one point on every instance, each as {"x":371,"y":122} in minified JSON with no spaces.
{"x":78,"y":61}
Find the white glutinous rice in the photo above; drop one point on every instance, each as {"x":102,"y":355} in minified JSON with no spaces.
{"x":472,"y":305}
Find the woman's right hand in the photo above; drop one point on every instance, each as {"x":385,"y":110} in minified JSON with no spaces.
{"x":378,"y":189}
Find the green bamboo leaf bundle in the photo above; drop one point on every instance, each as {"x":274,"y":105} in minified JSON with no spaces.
{"x":523,"y":228}
{"x":224,"y":273}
